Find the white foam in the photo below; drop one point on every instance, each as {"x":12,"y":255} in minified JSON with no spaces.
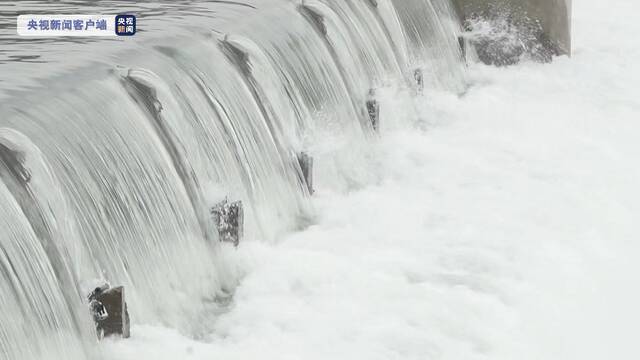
{"x":506,"y":230}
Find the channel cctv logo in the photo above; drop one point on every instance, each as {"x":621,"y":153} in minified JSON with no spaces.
{"x":76,"y":25}
{"x":125,"y":25}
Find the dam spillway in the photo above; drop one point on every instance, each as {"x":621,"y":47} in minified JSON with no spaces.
{"x":112,"y":152}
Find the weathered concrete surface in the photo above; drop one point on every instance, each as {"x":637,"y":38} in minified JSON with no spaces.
{"x":373,"y":109}
{"x":306,"y":166}
{"x":554,"y":16}
{"x":113,"y":318}
{"x":229,"y":220}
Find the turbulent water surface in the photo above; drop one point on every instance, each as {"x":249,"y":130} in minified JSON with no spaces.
{"x":492,"y":217}
{"x":114,"y":150}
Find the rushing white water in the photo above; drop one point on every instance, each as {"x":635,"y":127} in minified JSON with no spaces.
{"x":507,"y":230}
{"x":112,"y":157}
{"x":497,"y":223}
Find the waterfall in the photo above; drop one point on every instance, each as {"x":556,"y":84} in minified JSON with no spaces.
{"x":110,"y":162}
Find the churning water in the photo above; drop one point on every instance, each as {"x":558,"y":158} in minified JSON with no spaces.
{"x":112,"y":151}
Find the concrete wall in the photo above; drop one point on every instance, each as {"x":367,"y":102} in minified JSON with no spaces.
{"x":554,"y":15}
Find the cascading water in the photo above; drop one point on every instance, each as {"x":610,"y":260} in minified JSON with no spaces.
{"x":110,"y":161}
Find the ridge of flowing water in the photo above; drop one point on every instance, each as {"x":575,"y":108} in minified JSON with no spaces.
{"x":31,"y":287}
{"x":110,"y":166}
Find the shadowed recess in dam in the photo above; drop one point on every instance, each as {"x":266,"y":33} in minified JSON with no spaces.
{"x":112,"y":160}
